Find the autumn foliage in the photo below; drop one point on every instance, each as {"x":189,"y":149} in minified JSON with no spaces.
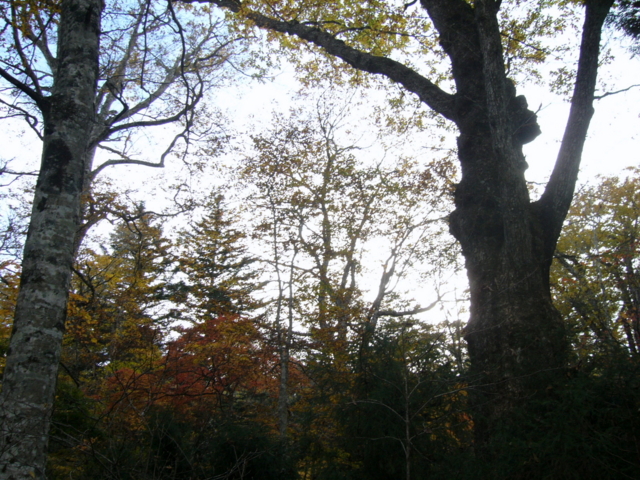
{"x":174,"y":353}
{"x":180,"y":360}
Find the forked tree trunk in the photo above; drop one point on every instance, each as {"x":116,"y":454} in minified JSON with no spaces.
{"x":28,"y":389}
{"x":516,"y":337}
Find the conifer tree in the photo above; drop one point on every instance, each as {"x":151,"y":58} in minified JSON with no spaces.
{"x":218,"y":275}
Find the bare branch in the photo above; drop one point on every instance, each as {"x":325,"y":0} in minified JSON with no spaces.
{"x":40,"y":100}
{"x":19,"y":174}
{"x":607,"y":94}
{"x":113,"y":85}
{"x":42,"y":42}
{"x":406,"y":313}
{"x":31,"y":120}
{"x":145,"y":123}
{"x":131,"y":161}
{"x":23,"y":59}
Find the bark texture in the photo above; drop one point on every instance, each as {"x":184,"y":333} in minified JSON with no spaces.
{"x":516,"y":337}
{"x":28,"y":389}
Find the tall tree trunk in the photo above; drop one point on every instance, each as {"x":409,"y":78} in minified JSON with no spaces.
{"x":515,"y":336}
{"x":29,"y":383}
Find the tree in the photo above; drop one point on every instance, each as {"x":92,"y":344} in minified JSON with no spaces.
{"x":34,"y":352}
{"x":74,"y":92}
{"x":200,"y":410}
{"x":155,"y":66}
{"x":133,"y":400}
{"x":119,"y":306}
{"x":116,"y":319}
{"x":319,"y":202}
{"x":517,"y":341}
{"x":595,"y":272}
{"x":408,"y":401}
{"x":220,"y":274}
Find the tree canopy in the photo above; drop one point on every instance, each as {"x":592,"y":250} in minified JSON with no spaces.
{"x":275,"y":325}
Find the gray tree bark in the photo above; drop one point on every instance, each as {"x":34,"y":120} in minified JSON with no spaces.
{"x":28,"y":389}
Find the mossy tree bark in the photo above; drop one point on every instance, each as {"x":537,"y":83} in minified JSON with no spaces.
{"x":28,"y":389}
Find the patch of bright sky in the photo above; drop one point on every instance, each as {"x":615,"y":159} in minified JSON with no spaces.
{"x":613,"y":141}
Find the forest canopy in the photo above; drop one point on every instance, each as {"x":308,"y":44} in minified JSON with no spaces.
{"x":358,"y":281}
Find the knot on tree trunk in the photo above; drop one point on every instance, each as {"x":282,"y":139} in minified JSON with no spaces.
{"x":524,"y":121}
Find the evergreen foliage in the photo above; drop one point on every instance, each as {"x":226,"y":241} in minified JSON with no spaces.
{"x":274,"y":339}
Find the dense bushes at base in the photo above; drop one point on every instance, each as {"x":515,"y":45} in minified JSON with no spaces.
{"x":587,"y":429}
{"x":162,"y":447}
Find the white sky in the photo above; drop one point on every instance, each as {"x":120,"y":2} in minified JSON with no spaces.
{"x":613,"y":142}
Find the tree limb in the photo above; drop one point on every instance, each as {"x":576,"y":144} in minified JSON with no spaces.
{"x":606,"y":94}
{"x":111,"y":88}
{"x":556,"y":199}
{"x":406,"y":313}
{"x":24,"y":88}
{"x":42,"y":42}
{"x":18,"y":47}
{"x":146,"y":123}
{"x":428,"y":92}
{"x":131,"y":161}
{"x":31,"y":120}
